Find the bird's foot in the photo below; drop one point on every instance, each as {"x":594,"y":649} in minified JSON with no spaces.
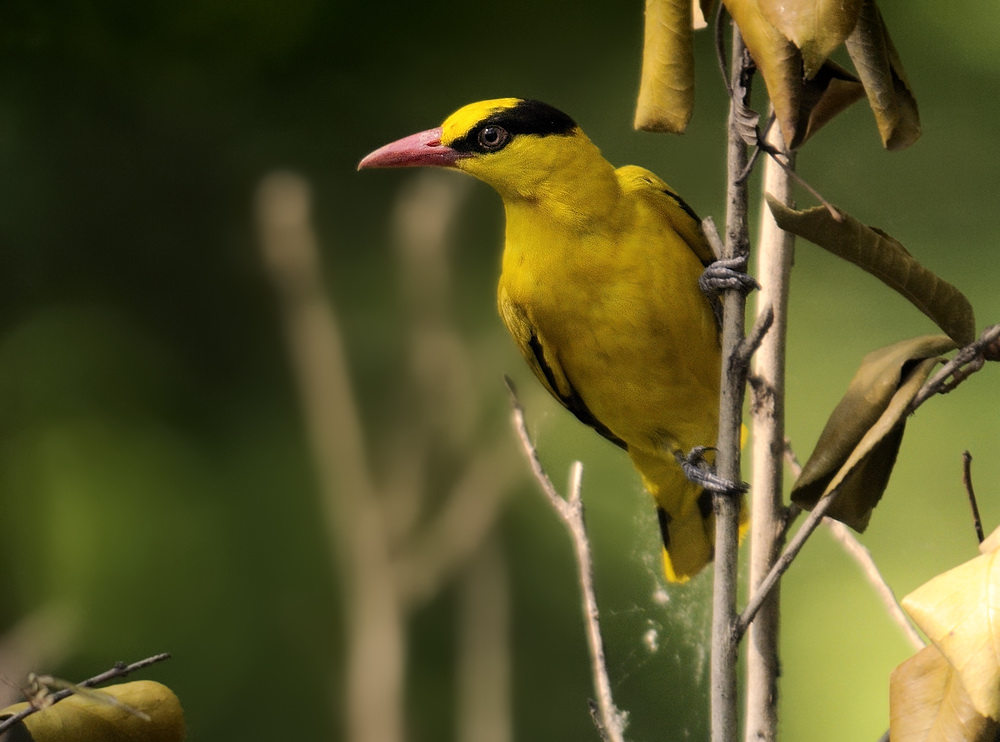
{"x":698,"y":470}
{"x":727,"y":275}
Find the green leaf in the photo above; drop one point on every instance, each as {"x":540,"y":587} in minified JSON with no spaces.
{"x":666,"y":92}
{"x":816,"y":27}
{"x":857,"y":448}
{"x":881,"y":70}
{"x":87,"y":718}
{"x":879,"y":254}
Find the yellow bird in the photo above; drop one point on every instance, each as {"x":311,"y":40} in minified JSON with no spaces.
{"x":600,"y":291}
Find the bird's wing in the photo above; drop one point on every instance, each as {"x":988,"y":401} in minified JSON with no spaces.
{"x":547,"y":368}
{"x":680,"y":216}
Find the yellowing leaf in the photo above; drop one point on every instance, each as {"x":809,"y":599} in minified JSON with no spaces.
{"x":960,"y":612}
{"x":84,"y":719}
{"x":879,"y":254}
{"x":857,"y":448}
{"x":666,"y":92}
{"x":881,"y":70}
{"x":816,"y":27}
{"x":928,"y":703}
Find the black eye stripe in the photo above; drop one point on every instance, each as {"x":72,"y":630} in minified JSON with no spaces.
{"x":527,"y":117}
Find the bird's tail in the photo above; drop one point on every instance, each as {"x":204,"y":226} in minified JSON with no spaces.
{"x":687,"y":523}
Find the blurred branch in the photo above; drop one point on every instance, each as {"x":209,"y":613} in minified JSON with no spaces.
{"x":610,"y":720}
{"x":352,"y":514}
{"x":120,"y":670}
{"x":484,"y":651}
{"x":391,"y":552}
{"x":40,"y":639}
{"x":860,"y":553}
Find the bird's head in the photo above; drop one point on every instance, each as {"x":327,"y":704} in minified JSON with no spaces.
{"x":514,"y":145}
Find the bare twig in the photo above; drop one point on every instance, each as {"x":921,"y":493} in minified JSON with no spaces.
{"x":855,"y":549}
{"x":787,"y":163}
{"x":966,"y":362}
{"x":784,"y":562}
{"x":120,"y":670}
{"x":967,"y":482}
{"x":611,"y":721}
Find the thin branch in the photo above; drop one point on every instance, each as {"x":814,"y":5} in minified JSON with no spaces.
{"x":120,"y":670}
{"x":784,"y":562}
{"x":863,"y":557}
{"x":966,"y":362}
{"x":610,"y":720}
{"x":967,"y":482}
{"x":842,"y":534}
{"x":786,"y":162}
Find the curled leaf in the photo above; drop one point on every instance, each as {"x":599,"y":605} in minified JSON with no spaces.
{"x":928,"y":703}
{"x":881,"y":70}
{"x":816,"y":27}
{"x":666,"y":92}
{"x":857,"y":448}
{"x":960,"y":612}
{"x":879,"y":254}
{"x":88,"y":718}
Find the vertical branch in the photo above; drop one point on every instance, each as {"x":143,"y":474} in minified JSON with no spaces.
{"x":727,"y":506}
{"x":357,"y":533}
{"x":774,"y":263}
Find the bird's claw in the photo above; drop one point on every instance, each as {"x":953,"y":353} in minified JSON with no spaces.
{"x":698,"y":470}
{"x":727,"y":274}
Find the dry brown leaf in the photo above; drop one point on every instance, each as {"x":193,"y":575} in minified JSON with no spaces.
{"x":816,"y":27}
{"x":666,"y":92}
{"x":879,"y":254}
{"x":881,"y":70}
{"x":857,"y":448}
{"x":85,"y":719}
{"x":928,"y":703}
{"x":960,"y":612}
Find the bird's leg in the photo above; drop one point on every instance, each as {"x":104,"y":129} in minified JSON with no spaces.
{"x":698,"y":470}
{"x":727,"y":275}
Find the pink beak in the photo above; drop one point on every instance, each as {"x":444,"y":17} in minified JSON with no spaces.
{"x":416,"y":150}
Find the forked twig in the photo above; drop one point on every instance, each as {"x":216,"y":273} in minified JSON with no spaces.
{"x":609,"y":719}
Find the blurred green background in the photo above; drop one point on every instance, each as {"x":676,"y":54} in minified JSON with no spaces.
{"x":158,"y":488}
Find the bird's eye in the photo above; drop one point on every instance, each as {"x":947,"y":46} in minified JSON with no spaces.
{"x":492,"y":138}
